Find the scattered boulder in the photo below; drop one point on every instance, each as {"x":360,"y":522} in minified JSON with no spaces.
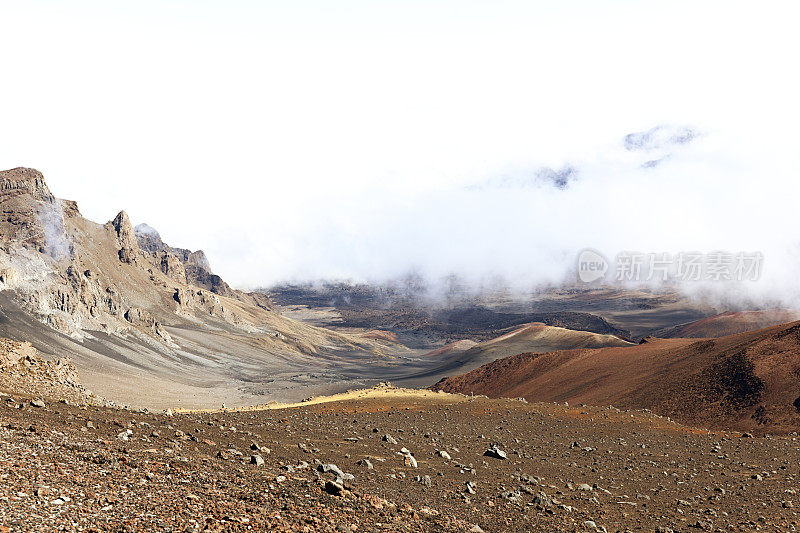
{"x":495,"y":452}
{"x":409,"y":460}
{"x":541,"y":499}
{"x":341,"y":476}
{"x":334,"y":488}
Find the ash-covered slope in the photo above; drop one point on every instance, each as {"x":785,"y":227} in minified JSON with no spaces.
{"x":144,"y":322}
{"x":746,"y":381}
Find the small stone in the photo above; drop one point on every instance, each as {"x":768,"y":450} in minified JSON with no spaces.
{"x":341,"y":476}
{"x":37,"y":403}
{"x":511,"y":495}
{"x":389,"y":439}
{"x":542,"y":499}
{"x":331,"y":487}
{"x":256,"y":460}
{"x":495,"y":452}
{"x":330,"y":467}
{"x":444,"y":455}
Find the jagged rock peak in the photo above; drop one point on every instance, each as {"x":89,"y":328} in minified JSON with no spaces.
{"x":129,"y":247}
{"x":199,"y":258}
{"x":146,"y":229}
{"x":122,"y":225}
{"x":149,"y":239}
{"x":24,"y":180}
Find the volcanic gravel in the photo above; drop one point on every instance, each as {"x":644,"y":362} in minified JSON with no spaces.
{"x":91,"y":468}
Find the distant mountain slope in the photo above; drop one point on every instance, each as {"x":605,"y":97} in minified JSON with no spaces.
{"x":730,"y":323}
{"x":464,"y":356}
{"x":747,"y":381}
{"x":539,"y":338}
{"x":419,"y":320}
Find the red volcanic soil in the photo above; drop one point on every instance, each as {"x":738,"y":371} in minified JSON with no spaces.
{"x":749,"y":381}
{"x":730,"y":323}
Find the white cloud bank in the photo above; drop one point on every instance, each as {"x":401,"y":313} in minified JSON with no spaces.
{"x":353,"y":139}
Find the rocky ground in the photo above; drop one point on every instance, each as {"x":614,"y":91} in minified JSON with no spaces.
{"x":394,"y":461}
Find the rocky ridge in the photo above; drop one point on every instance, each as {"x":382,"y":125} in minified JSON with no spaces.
{"x":121,"y":302}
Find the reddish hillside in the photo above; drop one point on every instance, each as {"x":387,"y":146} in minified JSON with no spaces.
{"x":749,"y":381}
{"x":453,"y":348}
{"x":730,"y":323}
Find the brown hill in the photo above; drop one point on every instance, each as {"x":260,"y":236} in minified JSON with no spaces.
{"x":464,"y":356}
{"x":453,"y":347}
{"x":747,"y":381}
{"x":730,"y":323}
{"x":535,"y":338}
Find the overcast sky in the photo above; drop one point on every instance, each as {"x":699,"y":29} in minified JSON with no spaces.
{"x":304,"y":139}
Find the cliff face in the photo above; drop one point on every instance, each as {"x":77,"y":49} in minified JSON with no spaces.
{"x":77,"y":276}
{"x":20,"y":181}
{"x":186,"y":266}
{"x":122,"y":303}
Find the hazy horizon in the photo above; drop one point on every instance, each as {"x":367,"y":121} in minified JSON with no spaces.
{"x":309,"y":141}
